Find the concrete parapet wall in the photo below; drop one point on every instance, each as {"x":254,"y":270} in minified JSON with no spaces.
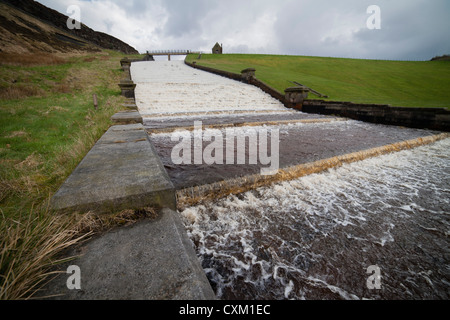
{"x":153,"y":259}
{"x":231,"y":75}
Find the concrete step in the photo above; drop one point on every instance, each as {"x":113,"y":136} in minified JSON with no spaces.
{"x":127,"y":117}
{"x":151,"y":260}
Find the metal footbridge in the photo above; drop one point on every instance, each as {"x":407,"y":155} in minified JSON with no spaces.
{"x":170,"y":53}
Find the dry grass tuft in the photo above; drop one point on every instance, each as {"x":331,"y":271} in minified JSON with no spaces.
{"x":90,"y":223}
{"x":62,"y":88}
{"x":31,"y":59}
{"x":31,"y":248}
{"x":89,"y":59}
{"x":14,"y":92}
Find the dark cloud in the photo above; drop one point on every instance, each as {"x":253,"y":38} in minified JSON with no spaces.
{"x":411,"y":29}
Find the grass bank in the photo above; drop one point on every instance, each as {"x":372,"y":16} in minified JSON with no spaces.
{"x":47,"y":125}
{"x":398,"y":83}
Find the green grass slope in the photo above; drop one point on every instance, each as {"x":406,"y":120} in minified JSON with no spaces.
{"x":398,"y":83}
{"x":48,"y":123}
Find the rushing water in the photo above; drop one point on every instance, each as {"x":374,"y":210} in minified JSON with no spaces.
{"x":164,"y":122}
{"x":315,"y":237}
{"x":172,"y":87}
{"x":298,"y":144}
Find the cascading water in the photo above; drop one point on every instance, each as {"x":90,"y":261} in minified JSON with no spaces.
{"x":315,"y":237}
{"x":298,"y":144}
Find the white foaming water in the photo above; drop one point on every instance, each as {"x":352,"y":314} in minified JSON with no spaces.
{"x":315,"y":237}
{"x":245,"y":130}
{"x":173,"y":87}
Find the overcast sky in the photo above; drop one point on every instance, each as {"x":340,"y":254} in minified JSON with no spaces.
{"x":410,"y":29}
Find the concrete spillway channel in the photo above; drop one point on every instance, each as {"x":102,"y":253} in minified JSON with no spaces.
{"x":212,"y":137}
{"x":173,"y":97}
{"x":276,"y":236}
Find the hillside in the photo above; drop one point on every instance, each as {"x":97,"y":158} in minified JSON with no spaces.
{"x":28,"y":26}
{"x":398,"y":83}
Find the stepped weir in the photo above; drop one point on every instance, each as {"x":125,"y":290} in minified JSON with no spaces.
{"x":347,"y":194}
{"x":259,"y":201}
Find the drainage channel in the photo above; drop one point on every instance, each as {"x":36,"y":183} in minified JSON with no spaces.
{"x":299,"y":143}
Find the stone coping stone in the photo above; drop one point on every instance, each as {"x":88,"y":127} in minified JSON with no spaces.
{"x":130,"y":106}
{"x":127,"y":117}
{"x":122,"y":171}
{"x":150,"y":260}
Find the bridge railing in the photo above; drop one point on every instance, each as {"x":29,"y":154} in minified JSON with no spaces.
{"x":171,"y":52}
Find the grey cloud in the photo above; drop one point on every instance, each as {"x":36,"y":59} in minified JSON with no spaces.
{"x":411,"y":29}
{"x":415,"y":30}
{"x":184,"y":17}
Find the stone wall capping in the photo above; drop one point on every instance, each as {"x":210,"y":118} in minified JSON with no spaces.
{"x":294,"y":96}
{"x":248,"y":74}
{"x":127,"y":87}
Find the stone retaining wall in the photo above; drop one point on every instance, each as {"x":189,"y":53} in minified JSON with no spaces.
{"x":423,"y":118}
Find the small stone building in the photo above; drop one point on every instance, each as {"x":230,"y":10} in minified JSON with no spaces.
{"x":217,"y":49}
